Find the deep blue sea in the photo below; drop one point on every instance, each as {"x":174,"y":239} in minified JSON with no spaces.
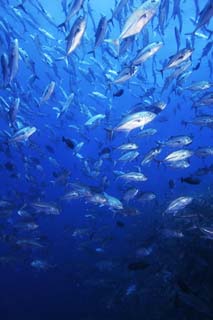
{"x":106,"y":160}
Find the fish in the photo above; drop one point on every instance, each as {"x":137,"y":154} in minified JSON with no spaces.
{"x":198,"y":86}
{"x":47,"y":92}
{"x":205,"y":120}
{"x":129,"y":156}
{"x":139,"y":18}
{"x":146,"y":196}
{"x":118,"y":93}
{"x":151,"y":155}
{"x":179,"y":155}
{"x":128,"y":146}
{"x":100,"y":33}
{"x":5,"y":69}
{"x":177,"y":59}
{"x":118,"y":9}
{"x":190,"y":180}
{"x":13,"y":60}
{"x":146,"y":53}
{"x":205,"y":16}
{"x":125,"y":74}
{"x":95,"y":120}
{"x":204,"y":152}
{"x":44,"y":207}
{"x":130,"y":194}
{"x":177,"y":141}
{"x":135,"y":120}
{"x":23,"y":134}
{"x":69,"y":143}
{"x":73,"y":10}
{"x":178,"y":204}
{"x":75,"y":35}
{"x":132,"y":176}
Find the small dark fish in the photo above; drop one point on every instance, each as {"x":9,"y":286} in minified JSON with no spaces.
{"x":191,"y":180}
{"x":171,"y":184}
{"x":140,"y":265}
{"x":70,"y":144}
{"x":104,"y":152}
{"x":50,"y":149}
{"x":120,"y":224}
{"x":118,"y":93}
{"x":9,"y":166}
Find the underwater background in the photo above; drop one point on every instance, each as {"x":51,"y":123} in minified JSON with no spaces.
{"x":106,"y":207}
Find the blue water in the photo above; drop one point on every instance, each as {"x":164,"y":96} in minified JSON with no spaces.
{"x":92,"y":261}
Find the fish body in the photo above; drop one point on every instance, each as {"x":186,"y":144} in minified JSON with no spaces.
{"x":47,"y":92}
{"x":133,"y":176}
{"x":178,"y":58}
{"x":95,"y":120}
{"x":130,"y":194}
{"x":198,"y":86}
{"x":128,"y":146}
{"x":100,"y":32}
{"x":146,"y":196}
{"x":23,"y":134}
{"x":204,"y":152}
{"x":44,"y":207}
{"x":146,"y":53}
{"x":139,"y":18}
{"x":177,"y":141}
{"x":13,"y":59}
{"x":191,"y":180}
{"x":73,"y":10}
{"x":135,"y":120}
{"x":204,"y":16}
{"x":151,"y":155}
{"x":125,"y":74}
{"x":179,"y":155}
{"x":75,"y":35}
{"x":178,"y":204}
{"x":5,"y":69}
{"x":129,"y":156}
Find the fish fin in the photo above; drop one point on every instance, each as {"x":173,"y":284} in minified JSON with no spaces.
{"x":110,"y":21}
{"x":110,"y":133}
{"x":190,"y":33}
{"x":64,"y":58}
{"x":91,"y":52}
{"x":62,"y":25}
{"x":161,"y":71}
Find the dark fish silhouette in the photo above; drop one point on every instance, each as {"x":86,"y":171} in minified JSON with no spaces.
{"x":191,"y":180}
{"x":70,"y":144}
{"x":118,"y":93}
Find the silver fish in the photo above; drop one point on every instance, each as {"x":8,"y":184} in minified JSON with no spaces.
{"x":75,"y":35}
{"x":178,"y":204}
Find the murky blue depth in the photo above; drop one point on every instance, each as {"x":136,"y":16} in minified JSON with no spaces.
{"x":106,"y":159}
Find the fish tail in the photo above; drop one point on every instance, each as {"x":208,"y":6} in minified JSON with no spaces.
{"x":161,"y":72}
{"x":92,"y":52}
{"x":109,"y":132}
{"x":182,"y":180}
{"x":62,"y":25}
{"x":64,"y":58}
{"x":111,"y":21}
{"x":190,"y":33}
